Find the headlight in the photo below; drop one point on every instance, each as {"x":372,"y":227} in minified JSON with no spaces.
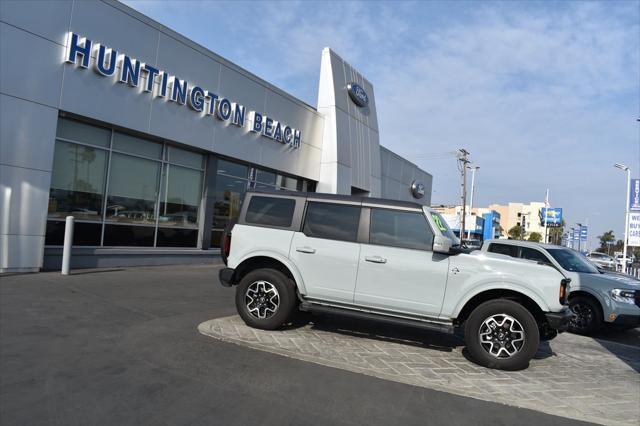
{"x":624,"y":296}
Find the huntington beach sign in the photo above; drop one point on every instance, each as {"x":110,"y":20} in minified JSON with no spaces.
{"x":158,"y":83}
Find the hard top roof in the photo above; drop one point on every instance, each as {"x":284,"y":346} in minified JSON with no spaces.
{"x":338,"y":197}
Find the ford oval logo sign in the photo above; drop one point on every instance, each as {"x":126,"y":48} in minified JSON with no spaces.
{"x":417,"y":189}
{"x":358,"y":95}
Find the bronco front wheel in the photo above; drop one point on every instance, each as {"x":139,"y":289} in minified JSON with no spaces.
{"x":502,"y":334}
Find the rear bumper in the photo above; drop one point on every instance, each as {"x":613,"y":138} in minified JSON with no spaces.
{"x":226,"y":276}
{"x":559,"y":320}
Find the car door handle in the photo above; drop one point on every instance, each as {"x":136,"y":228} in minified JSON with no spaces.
{"x":375,"y":259}
{"x":306,"y":250}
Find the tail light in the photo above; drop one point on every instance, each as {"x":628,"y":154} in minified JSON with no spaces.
{"x":226,"y":246}
{"x":564,"y":293}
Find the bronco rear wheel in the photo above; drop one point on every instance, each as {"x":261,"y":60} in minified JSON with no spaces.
{"x":265,"y":299}
{"x":502,"y":334}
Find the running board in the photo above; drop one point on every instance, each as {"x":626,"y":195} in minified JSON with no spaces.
{"x":367,"y":315}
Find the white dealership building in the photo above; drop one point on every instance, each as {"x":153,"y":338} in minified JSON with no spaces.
{"x":150,"y":140}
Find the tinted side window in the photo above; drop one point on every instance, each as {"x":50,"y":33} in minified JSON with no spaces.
{"x":400,"y":229}
{"x":507,"y":249}
{"x":270,"y":211}
{"x":532,"y":254}
{"x":332,"y":221}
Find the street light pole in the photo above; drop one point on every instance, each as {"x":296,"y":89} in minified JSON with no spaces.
{"x":473,"y":184}
{"x":626,"y":214}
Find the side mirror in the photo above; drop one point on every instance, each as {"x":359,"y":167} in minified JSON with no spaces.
{"x":441,"y":244}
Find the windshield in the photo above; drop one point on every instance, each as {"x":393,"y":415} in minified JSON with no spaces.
{"x":572,"y":261}
{"x":444,"y":228}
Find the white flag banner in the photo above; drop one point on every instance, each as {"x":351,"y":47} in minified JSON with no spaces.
{"x":634,"y":230}
{"x":546,"y":199}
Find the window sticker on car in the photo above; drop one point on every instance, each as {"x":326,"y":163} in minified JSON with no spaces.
{"x":438,"y":222}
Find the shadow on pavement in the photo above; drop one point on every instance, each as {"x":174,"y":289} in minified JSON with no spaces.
{"x":98,"y":271}
{"x":390,"y":333}
{"x":378,"y":331}
{"x":623,"y":344}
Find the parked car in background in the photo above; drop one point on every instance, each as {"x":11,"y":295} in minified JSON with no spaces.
{"x":602,"y":260}
{"x":630,"y":260}
{"x":389,"y":261}
{"x":596,"y":297}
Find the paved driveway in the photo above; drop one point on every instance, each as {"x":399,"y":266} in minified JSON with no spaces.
{"x":121,"y":347}
{"x":571,"y":376}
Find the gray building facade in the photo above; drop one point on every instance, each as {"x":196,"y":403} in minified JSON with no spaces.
{"x":149,"y":140}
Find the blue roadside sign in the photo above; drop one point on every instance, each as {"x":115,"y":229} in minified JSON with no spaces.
{"x":583,"y":233}
{"x":553,"y":216}
{"x":634,"y":195}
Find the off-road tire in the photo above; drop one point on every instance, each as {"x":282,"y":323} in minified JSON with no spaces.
{"x":525,"y":321}
{"x":286,"y":298}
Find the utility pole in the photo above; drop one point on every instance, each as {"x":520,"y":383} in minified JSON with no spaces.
{"x":463,"y":160}
{"x":546,"y":214}
{"x":473,"y":184}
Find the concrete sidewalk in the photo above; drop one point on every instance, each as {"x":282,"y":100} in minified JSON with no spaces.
{"x":121,"y":347}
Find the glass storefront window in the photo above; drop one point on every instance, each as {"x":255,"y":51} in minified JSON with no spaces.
{"x":233,"y":169}
{"x":133,"y":189}
{"x":84,"y":233}
{"x":287,"y":182}
{"x":177,"y":237}
{"x":137,"y":146}
{"x":229,"y":194}
{"x":77,"y":181}
{"x":257,"y":185}
{"x":127,"y":235}
{"x":232,"y":182}
{"x":85,"y":133}
{"x":126,"y":190}
{"x":180,"y":196}
{"x":263,"y":176}
{"x":185,"y":158}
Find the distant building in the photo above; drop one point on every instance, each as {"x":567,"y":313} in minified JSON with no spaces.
{"x":512,"y":214}
{"x":481,"y":224}
{"x":497,"y":219}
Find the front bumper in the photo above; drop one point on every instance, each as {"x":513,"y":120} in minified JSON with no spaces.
{"x":559,"y":320}
{"x":226,"y":276}
{"x":627,"y":320}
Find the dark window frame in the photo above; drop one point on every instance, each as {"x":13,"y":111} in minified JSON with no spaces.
{"x":511,"y":246}
{"x":291,"y":201}
{"x":544,"y":256}
{"x":370,"y":220}
{"x":518,"y":253}
{"x":356,"y":240}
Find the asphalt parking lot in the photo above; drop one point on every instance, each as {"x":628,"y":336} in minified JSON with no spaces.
{"x":121,"y":346}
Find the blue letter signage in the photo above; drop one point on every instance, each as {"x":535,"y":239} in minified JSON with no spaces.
{"x":135,"y":73}
{"x":634,"y":195}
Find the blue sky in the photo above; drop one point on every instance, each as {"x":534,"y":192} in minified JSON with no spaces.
{"x":543,"y":94}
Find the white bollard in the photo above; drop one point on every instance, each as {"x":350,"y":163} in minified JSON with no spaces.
{"x":68,"y":243}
